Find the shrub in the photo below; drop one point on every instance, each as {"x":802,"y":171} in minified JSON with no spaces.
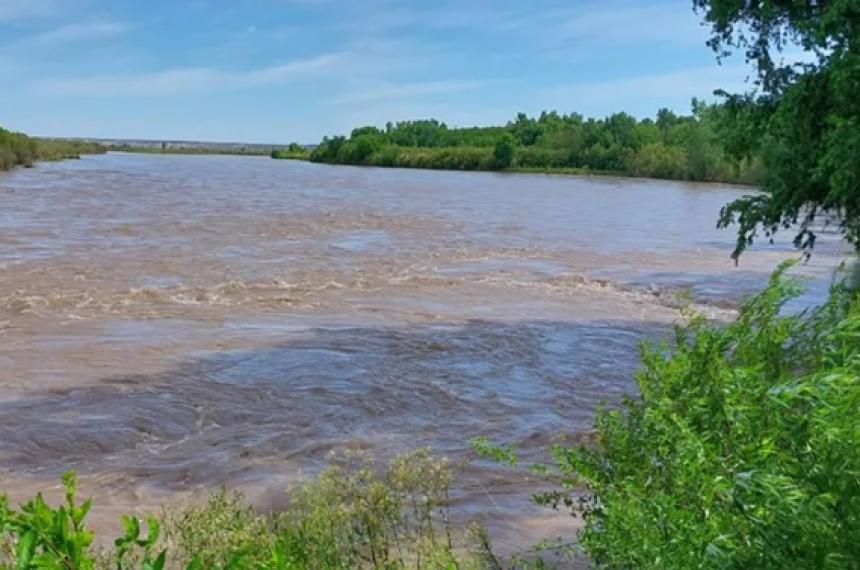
{"x":49,"y":537}
{"x":19,"y":149}
{"x":7,"y":158}
{"x":294,"y":151}
{"x":540,"y":157}
{"x":351,"y":516}
{"x":659,"y":161}
{"x":503,"y":152}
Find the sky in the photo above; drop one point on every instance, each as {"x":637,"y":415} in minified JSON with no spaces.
{"x":276,"y":71}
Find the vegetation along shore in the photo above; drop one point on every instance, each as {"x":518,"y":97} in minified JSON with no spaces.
{"x":18,"y":149}
{"x":190,"y":150}
{"x":679,"y":147}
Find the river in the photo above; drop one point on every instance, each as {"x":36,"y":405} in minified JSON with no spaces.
{"x":170,"y":324}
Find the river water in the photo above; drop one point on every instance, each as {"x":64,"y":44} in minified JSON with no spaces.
{"x":170,"y":324}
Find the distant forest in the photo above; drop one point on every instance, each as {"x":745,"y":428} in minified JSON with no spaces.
{"x":682,"y":147}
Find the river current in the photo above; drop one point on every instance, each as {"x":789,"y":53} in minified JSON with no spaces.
{"x":171,"y":324}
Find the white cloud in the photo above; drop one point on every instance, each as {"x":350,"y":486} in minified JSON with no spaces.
{"x":187,"y":80}
{"x":84,"y":31}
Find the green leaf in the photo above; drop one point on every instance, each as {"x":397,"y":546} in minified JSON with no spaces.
{"x":25,"y":549}
{"x":153,"y":530}
{"x":131,"y":526}
{"x":236,"y":562}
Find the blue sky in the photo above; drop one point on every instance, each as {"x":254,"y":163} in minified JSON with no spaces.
{"x":295,"y":70}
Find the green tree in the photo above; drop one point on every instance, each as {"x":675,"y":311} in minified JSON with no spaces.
{"x":802,"y":118}
{"x":526,"y":130}
{"x":619,"y":144}
{"x":666,"y":119}
{"x":503,"y":152}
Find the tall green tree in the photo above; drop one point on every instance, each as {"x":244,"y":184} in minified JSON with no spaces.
{"x":803,"y":118}
{"x":503,"y":152}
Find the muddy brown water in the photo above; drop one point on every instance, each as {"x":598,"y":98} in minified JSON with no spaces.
{"x":171,"y":324}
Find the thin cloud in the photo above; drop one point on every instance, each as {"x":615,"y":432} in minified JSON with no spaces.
{"x":187,"y":80}
{"x":84,"y":31}
{"x":398,"y":18}
{"x":410,"y":90}
{"x":615,"y":22}
{"x":19,"y":10}
{"x":614,"y":95}
{"x":625,"y":24}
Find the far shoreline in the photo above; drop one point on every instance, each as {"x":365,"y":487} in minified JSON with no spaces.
{"x":566,"y":171}
{"x":559,"y":172}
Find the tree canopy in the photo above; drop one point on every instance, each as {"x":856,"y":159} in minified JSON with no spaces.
{"x":684,"y":147}
{"x":801,"y":117}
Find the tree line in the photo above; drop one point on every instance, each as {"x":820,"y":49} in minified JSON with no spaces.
{"x":294,"y":151}
{"x":672,"y":146}
{"x":18,"y":149}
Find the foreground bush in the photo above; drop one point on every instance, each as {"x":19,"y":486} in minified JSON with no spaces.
{"x":351,"y":516}
{"x":743,"y":450}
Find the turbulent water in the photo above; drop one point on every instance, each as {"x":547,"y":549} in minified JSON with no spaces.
{"x":172,"y":324}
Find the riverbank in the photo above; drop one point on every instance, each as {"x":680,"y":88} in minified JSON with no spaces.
{"x":294,"y":152}
{"x":549,"y":171}
{"x":483,"y":160}
{"x":193,"y":150}
{"x":18,"y":149}
{"x":616,"y":174}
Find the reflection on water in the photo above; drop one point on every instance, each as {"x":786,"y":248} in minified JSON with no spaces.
{"x":171,"y":324}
